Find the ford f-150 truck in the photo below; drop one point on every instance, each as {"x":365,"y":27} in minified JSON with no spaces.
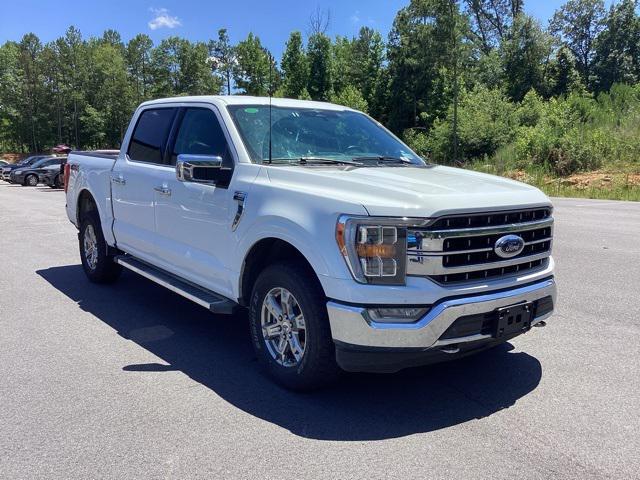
{"x":348,"y":250}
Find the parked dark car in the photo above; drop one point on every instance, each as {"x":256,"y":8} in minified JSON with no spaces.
{"x":54,"y":175}
{"x":30,"y":176}
{"x":7,"y":169}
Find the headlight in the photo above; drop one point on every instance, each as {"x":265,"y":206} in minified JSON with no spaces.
{"x":375,"y":249}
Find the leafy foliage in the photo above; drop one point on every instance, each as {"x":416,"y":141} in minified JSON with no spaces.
{"x":464,"y":81}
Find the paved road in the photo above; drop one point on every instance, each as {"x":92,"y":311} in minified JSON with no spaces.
{"x":131,"y":381}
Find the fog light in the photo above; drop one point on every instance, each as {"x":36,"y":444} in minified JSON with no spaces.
{"x":396,"y":314}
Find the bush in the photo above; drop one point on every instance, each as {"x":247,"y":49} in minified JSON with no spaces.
{"x":486,"y":121}
{"x":562,"y":135}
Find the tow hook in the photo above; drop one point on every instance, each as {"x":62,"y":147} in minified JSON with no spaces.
{"x":541,"y":323}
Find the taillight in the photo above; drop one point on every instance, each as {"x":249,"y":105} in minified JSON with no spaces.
{"x":67,"y":171}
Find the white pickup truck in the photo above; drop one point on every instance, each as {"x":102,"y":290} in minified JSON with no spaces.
{"x":349,"y":251}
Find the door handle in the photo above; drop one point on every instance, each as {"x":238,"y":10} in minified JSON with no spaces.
{"x":163,"y":190}
{"x":118,"y":180}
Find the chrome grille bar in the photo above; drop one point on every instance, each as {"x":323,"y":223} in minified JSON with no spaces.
{"x":470,"y":252}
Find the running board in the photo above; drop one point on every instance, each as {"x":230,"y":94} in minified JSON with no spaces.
{"x":205,"y":298}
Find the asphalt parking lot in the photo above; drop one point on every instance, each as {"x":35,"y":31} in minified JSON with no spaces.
{"x":131,"y":381}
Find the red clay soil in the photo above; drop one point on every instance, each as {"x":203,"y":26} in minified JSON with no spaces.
{"x":595,"y":179}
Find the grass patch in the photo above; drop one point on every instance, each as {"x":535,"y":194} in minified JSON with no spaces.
{"x":621,"y":184}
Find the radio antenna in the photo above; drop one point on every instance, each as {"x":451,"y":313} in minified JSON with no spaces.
{"x":270,"y":95}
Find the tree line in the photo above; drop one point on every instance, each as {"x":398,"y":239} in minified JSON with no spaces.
{"x":447,"y":77}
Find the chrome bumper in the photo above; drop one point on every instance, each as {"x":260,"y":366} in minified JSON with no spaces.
{"x":349,"y":324}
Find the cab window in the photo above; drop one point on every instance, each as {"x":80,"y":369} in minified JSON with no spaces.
{"x":200,"y":133}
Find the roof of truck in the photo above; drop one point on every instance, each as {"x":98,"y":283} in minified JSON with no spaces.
{"x":248,"y":100}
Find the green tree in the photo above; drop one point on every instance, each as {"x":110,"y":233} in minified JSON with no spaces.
{"x":525,"y":56}
{"x":320,"y":67}
{"x":224,"y":56}
{"x":114,"y":97}
{"x":138,"y":60}
{"x":31,"y":97}
{"x":491,"y":21}
{"x":12,"y":134}
{"x":295,"y":68}
{"x":578,"y":23}
{"x":618,"y":47}
{"x":181,"y":68}
{"x":255,"y":72}
{"x":564,"y":74}
{"x":367,"y":55}
{"x":425,"y":45}
{"x":74,"y":66}
{"x":350,"y":96}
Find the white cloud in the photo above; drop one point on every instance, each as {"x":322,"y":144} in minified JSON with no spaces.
{"x":357,"y":19}
{"x":162,"y":19}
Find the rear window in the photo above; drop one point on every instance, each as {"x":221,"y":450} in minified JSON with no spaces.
{"x":150,"y":135}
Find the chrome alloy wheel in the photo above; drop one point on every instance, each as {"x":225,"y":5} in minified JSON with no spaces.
{"x":32,"y":181}
{"x":283,"y":327}
{"x":90,"y":243}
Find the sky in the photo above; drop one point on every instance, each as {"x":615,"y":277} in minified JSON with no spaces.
{"x":272,"y":21}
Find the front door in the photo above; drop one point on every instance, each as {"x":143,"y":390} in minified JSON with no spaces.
{"x":193,"y":220}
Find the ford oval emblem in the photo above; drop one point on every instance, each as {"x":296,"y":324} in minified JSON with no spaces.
{"x":509,"y":246}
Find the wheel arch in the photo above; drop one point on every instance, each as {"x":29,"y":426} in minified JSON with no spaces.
{"x":263,"y":253}
{"x":84,"y":204}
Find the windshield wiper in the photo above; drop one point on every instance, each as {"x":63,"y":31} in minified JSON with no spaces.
{"x":308,"y":160}
{"x":384,"y":158}
{"x":305,"y":160}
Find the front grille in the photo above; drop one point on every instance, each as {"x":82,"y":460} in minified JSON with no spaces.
{"x":461,"y":248}
{"x":491,"y":219}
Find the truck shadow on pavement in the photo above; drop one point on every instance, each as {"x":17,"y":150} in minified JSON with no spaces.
{"x":215,"y":351}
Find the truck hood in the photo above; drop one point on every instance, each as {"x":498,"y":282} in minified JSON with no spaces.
{"x":410,"y":191}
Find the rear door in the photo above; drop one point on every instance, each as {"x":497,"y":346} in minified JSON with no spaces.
{"x":192,"y":219}
{"x":133,"y":179}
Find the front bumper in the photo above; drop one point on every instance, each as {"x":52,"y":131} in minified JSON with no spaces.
{"x":364,"y":345}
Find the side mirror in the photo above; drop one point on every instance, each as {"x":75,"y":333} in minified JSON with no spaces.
{"x":198,"y":168}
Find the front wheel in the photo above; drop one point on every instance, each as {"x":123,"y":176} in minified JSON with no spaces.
{"x":31,"y":181}
{"x":98,"y":264}
{"x":290,"y":328}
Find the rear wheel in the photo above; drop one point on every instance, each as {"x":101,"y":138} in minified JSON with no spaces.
{"x":97,"y":262}
{"x":290,"y":328}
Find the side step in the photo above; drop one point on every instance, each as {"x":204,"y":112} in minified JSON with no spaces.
{"x":205,"y":298}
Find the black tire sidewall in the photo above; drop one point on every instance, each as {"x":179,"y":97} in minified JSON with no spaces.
{"x":106,"y":269}
{"x":27,"y":183}
{"x":318,"y":363}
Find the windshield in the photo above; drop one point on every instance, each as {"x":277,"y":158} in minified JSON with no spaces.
{"x":28,"y":161}
{"x":299,"y":133}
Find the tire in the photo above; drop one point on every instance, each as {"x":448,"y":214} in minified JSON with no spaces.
{"x":98,"y":264}
{"x":30,"y":181}
{"x":317,"y":366}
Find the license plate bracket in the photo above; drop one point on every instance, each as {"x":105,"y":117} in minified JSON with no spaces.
{"x":513,"y":319}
